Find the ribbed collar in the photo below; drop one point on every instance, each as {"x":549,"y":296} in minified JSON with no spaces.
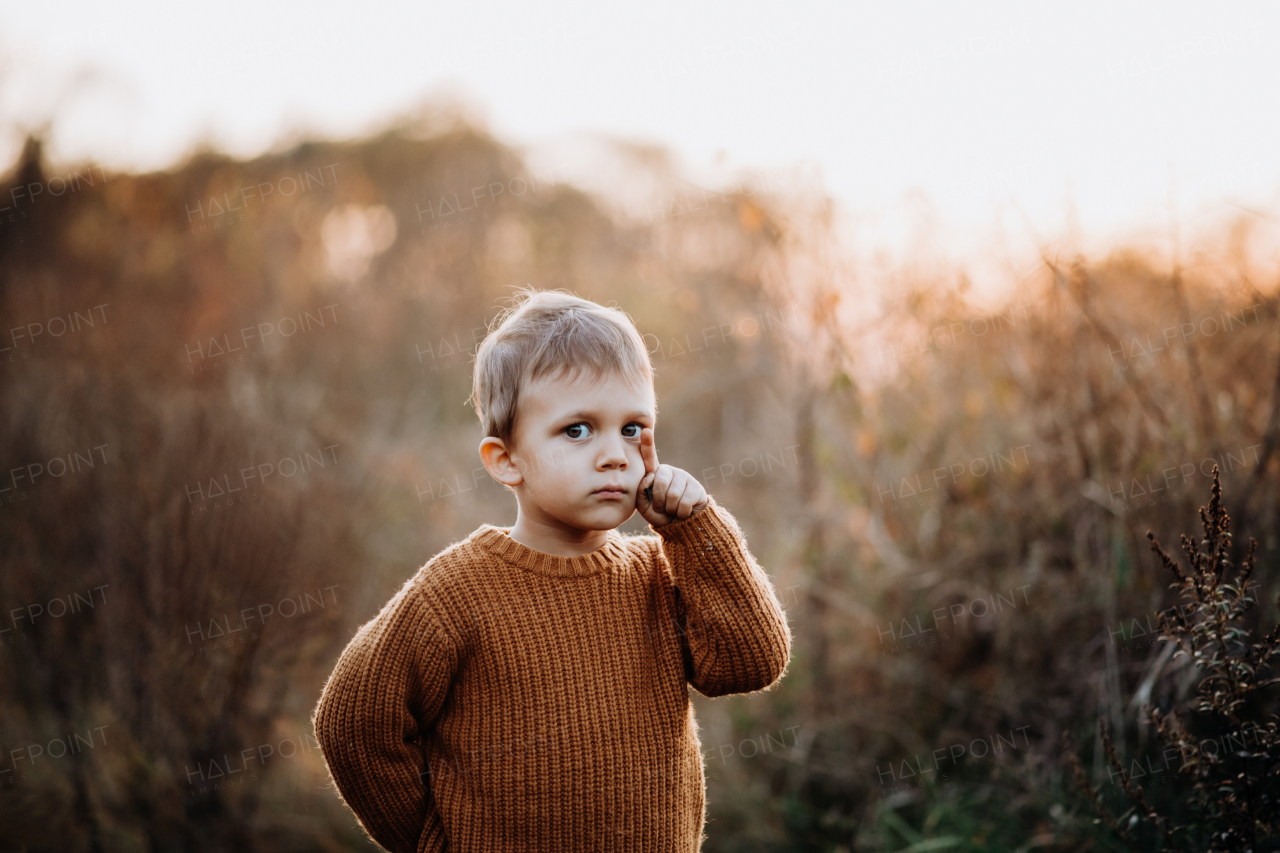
{"x":498,"y":541}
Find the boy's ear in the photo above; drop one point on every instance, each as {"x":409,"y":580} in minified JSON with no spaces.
{"x":498,"y":462}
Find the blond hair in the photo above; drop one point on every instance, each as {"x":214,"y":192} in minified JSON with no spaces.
{"x":550,"y":333}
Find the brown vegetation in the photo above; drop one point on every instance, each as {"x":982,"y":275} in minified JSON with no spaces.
{"x":865,"y":500}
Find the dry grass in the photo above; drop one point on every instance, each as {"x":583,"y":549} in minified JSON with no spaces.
{"x":815,"y":462}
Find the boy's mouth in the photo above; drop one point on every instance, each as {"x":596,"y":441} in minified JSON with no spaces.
{"x":611,"y":492}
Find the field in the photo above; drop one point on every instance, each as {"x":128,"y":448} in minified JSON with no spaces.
{"x":234,"y":421}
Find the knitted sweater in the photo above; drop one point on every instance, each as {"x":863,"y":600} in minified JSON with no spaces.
{"x":511,"y":701}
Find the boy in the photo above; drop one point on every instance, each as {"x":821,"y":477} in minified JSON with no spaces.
{"x":526,"y":689}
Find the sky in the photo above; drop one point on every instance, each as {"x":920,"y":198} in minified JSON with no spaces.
{"x":1105,"y":118}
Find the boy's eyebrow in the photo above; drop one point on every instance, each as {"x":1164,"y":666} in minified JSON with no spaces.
{"x":590,"y":416}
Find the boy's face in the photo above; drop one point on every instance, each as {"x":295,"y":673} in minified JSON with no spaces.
{"x":574,"y":439}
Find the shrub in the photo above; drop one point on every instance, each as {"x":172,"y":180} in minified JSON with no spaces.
{"x":1232,"y":801}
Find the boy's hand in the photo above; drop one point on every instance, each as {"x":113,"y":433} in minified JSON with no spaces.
{"x":674,"y":494}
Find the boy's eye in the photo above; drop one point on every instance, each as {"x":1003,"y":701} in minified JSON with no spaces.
{"x":638,"y":429}
{"x":571,"y":430}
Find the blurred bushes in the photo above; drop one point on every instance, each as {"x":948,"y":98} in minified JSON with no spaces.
{"x":336,"y":322}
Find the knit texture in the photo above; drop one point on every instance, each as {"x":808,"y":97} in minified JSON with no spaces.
{"x":511,"y":701}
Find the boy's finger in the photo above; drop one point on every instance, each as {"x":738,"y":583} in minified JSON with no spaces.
{"x":674,"y":495}
{"x":648,"y":450}
{"x":648,"y":505}
{"x":644,"y":495}
{"x":662,"y":479}
{"x":690,"y":500}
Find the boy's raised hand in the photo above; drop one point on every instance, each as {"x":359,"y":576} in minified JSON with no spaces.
{"x":675,"y":493}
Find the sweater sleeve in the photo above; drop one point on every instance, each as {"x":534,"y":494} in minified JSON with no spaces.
{"x":735,"y":634}
{"x":387,"y":689}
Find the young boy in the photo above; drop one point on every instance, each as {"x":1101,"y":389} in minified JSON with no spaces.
{"x":526,"y":689}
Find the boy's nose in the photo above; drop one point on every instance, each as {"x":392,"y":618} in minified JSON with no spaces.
{"x":613,"y":455}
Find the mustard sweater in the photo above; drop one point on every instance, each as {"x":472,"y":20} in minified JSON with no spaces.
{"x":511,"y":701}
